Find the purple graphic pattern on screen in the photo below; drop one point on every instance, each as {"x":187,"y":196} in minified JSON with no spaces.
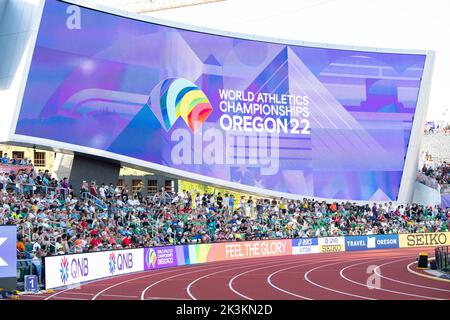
{"x":93,"y":87}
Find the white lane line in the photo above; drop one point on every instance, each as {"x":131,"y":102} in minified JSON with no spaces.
{"x":238,"y":267}
{"x":172,"y":270}
{"x":424,"y":275}
{"x":341,"y":273}
{"x":310,"y":261}
{"x":407,"y":283}
{"x":92,"y":283}
{"x":330,"y":289}
{"x":178,"y":275}
{"x":81,"y":293}
{"x":129,"y":280}
{"x":119,"y":296}
{"x":230,"y":283}
{"x":248,"y":264}
{"x":54,"y":296}
{"x":69,"y":298}
{"x":166,"y":298}
{"x":269,"y":280}
{"x":88,"y":283}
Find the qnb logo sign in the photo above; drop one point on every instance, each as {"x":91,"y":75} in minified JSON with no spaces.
{"x":112,"y":263}
{"x":75,"y":268}
{"x":123,"y":261}
{"x":151,"y":258}
{"x":173,"y":98}
{"x":64,"y":270}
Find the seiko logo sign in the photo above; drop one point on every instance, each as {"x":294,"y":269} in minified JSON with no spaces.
{"x":431,"y":239}
{"x":332,"y":248}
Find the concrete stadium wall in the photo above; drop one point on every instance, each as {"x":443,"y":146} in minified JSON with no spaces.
{"x":92,"y":169}
{"x":425,"y":195}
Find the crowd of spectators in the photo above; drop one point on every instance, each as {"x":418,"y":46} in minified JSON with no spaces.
{"x":438,"y":170}
{"x":437,"y":128}
{"x":6,"y":160}
{"x":54,"y":221}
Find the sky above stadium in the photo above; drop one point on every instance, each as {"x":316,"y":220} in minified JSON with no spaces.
{"x":402,"y":24}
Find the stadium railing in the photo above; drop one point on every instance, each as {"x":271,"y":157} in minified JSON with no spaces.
{"x":97,"y":201}
{"x":37,"y":189}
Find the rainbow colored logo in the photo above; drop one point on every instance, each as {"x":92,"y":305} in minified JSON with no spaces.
{"x":173,"y":98}
{"x":151,"y":257}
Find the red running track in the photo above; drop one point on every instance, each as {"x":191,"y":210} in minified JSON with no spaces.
{"x":322,"y":276}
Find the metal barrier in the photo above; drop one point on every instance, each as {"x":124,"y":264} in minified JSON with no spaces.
{"x":26,"y":188}
{"x":442,"y":258}
{"x":98,"y":202}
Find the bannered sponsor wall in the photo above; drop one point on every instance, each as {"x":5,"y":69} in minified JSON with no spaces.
{"x":200,"y":253}
{"x":65,"y":270}
{"x":72,"y":269}
{"x":259,"y":115}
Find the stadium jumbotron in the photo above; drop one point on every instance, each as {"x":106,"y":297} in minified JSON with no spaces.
{"x":281,"y":150}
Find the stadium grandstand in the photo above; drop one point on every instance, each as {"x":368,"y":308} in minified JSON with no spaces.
{"x":135,"y":147}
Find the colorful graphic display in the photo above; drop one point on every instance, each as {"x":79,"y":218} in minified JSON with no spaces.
{"x":173,"y":98}
{"x":307,"y":121}
{"x":161,"y":257}
{"x":201,"y":253}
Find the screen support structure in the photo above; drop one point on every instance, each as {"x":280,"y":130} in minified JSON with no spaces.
{"x":406,"y":191}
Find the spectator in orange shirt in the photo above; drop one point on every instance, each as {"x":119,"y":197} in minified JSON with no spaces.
{"x":333,"y":207}
{"x":20,"y":245}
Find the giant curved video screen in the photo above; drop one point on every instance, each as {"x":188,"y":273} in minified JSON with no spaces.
{"x":308,"y":121}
